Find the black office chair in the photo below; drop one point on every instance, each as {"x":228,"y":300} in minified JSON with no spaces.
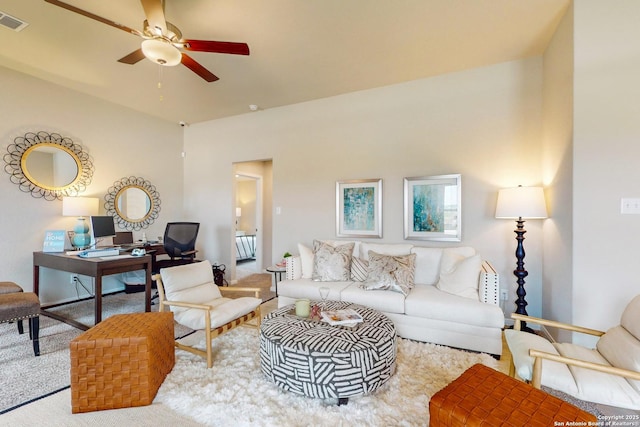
{"x":179,"y":244}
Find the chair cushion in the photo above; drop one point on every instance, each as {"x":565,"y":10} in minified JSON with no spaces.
{"x":597,"y":386}
{"x":622,"y":350}
{"x":190,"y":283}
{"x":224,"y":311}
{"x":630,"y":319}
{"x":554,"y":375}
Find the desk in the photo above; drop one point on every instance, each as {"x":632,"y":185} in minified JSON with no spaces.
{"x":93,"y":267}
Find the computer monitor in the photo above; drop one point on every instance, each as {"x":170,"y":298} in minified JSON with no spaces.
{"x":101,"y":228}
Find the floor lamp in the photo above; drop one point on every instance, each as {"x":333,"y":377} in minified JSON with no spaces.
{"x":521,"y":203}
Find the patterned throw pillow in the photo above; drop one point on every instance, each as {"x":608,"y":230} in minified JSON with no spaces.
{"x":393,"y":273}
{"x":331,"y":264}
{"x":359,"y":269}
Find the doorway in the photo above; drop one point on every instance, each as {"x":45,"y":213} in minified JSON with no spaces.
{"x":251,"y":246}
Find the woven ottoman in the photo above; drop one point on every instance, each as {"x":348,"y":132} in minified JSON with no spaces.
{"x":482,"y":396}
{"x":121,"y":362}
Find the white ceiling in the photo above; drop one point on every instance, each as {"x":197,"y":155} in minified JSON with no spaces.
{"x":300,"y":49}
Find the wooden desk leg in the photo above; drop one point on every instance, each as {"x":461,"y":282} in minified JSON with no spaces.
{"x":98,"y":309}
{"x":36,"y":280}
{"x":147,"y":288}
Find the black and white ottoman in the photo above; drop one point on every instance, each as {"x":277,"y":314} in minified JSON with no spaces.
{"x":315,"y":359}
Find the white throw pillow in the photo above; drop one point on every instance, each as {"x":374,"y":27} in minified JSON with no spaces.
{"x":306,"y":259}
{"x":331,"y":264}
{"x":459,"y":275}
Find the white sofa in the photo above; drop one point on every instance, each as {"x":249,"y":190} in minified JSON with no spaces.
{"x":434,"y":310}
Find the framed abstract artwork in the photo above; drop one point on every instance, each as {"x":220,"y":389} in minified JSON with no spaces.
{"x":359,"y":208}
{"x":433,"y":208}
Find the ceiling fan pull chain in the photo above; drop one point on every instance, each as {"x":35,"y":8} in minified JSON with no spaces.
{"x":160,"y":82}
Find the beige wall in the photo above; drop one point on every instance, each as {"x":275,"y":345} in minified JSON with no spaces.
{"x":484,"y":124}
{"x":121,"y":143}
{"x":606,"y":135}
{"x":557,"y":143}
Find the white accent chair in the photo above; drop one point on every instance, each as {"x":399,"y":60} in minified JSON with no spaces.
{"x":190,"y":292}
{"x":608,"y":374}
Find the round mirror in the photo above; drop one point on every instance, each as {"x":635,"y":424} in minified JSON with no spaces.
{"x":133,"y":202}
{"x":48,"y":165}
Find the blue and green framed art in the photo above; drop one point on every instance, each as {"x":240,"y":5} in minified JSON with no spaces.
{"x":359,"y":208}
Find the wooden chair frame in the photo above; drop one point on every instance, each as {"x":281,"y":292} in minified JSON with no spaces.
{"x":210,"y":333}
{"x":538,"y":356}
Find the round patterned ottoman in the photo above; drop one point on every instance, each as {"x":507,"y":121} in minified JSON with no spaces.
{"x":315,"y":359}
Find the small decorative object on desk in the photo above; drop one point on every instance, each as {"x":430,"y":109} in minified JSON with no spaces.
{"x":53,"y":241}
{"x":345,"y":317}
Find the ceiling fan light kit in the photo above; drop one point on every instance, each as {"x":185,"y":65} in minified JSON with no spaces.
{"x":161,"y":52}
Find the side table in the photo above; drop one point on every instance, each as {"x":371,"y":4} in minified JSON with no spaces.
{"x":277,"y":274}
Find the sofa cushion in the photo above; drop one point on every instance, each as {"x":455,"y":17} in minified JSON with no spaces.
{"x":460,"y":277}
{"x":359,"y":269}
{"x":388,"y":272}
{"x":622,"y":350}
{"x":386,"y":301}
{"x":555,"y":375}
{"x":307,"y":288}
{"x":331,"y":263}
{"x":431,"y":303}
{"x":384,"y":249}
{"x":427,"y":265}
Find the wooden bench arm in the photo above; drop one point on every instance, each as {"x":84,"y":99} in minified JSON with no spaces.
{"x":538,"y":355}
{"x":188,"y":305}
{"x":520,"y":317}
{"x":256,"y":291}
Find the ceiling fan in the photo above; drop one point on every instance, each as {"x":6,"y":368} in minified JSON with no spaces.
{"x":163,"y":40}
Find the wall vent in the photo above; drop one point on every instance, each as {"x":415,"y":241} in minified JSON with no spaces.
{"x":12,"y":22}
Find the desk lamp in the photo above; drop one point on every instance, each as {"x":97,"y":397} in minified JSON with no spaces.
{"x":521,"y":203}
{"x":80,"y":207}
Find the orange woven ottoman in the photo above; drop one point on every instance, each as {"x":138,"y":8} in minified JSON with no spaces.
{"x":121,"y":362}
{"x":482,"y":396}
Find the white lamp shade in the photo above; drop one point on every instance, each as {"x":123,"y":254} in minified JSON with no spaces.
{"x":80,"y":206}
{"x":521,"y":202}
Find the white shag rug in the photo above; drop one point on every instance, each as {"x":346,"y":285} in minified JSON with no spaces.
{"x":235,"y":392}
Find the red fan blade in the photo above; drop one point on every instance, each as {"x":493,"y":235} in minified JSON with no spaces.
{"x":154,"y":12}
{"x":133,"y":57}
{"x":191,"y":64}
{"x":93,"y":16}
{"x":217,"y":47}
